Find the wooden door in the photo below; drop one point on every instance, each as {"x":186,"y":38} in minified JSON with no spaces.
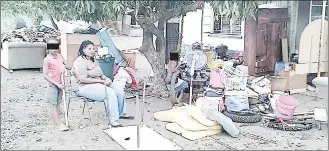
{"x":265,"y":50}
{"x":172,"y":36}
{"x":273,"y":46}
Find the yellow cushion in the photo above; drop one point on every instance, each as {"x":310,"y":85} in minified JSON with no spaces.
{"x":174,"y":127}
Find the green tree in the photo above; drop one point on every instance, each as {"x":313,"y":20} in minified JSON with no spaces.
{"x":150,"y":15}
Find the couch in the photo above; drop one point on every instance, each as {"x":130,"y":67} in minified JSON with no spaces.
{"x":321,"y":84}
{"x":22,"y":55}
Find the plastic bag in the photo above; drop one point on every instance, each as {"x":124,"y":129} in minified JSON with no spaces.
{"x":223,"y":120}
{"x":237,"y":103}
{"x":216,"y":79}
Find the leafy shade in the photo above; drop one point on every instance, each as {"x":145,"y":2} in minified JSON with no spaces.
{"x":237,"y":9}
{"x":89,"y":11}
{"x":92,"y":11}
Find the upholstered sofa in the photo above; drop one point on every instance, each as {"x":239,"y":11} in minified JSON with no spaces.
{"x":22,"y":55}
{"x":321,"y":84}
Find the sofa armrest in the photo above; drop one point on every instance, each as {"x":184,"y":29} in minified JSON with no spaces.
{"x":320,"y":81}
{"x":24,"y":44}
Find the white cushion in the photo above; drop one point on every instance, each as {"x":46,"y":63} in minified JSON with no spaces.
{"x":320,"y":81}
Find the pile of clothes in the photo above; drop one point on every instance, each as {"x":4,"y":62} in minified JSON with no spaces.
{"x":31,"y":34}
{"x":88,"y":30}
{"x":125,"y":77}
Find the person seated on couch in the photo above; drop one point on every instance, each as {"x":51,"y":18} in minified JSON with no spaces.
{"x":89,"y":81}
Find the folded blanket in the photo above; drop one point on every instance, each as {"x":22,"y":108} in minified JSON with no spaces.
{"x":174,"y":127}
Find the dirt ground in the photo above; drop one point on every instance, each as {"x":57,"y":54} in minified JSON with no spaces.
{"x":26,"y":124}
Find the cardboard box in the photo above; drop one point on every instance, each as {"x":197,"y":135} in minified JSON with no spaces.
{"x":209,"y":55}
{"x":293,"y":80}
{"x":309,"y":67}
{"x":70,"y":44}
{"x":284,"y":73}
{"x":278,"y":83}
{"x":132,"y":56}
{"x":297,"y":82}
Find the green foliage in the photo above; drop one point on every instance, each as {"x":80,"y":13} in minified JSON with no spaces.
{"x":235,"y":9}
{"x":21,"y":7}
{"x":92,"y":11}
{"x":89,"y":11}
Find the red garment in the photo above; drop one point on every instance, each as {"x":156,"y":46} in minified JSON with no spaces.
{"x":54,"y":68}
{"x":116,"y":69}
{"x":134,"y":84}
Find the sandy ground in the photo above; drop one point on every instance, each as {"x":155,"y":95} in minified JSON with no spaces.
{"x":26,"y":123}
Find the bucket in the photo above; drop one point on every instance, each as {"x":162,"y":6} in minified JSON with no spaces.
{"x":107,"y":66}
{"x":285,"y":107}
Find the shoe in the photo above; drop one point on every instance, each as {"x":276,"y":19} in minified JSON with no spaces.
{"x":62,"y":127}
{"x":116,"y":124}
{"x":127,"y":117}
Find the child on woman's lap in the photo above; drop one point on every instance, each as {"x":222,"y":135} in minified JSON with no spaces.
{"x":53,"y":68}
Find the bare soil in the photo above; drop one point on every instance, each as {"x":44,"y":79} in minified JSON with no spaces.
{"x":26,"y":123}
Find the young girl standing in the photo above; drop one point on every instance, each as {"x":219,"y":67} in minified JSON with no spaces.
{"x":53,"y":67}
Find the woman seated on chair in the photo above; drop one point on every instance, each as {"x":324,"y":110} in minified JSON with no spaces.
{"x":89,"y":81}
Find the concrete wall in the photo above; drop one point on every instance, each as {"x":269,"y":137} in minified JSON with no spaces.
{"x":192,"y":28}
{"x":192,"y":31}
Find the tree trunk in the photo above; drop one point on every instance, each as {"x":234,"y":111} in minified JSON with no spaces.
{"x":160,"y":42}
{"x":180,"y":40}
{"x":156,"y":57}
{"x":157,"y":62}
{"x":173,"y":99}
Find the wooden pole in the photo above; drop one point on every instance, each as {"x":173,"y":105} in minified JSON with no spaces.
{"x":250,"y":33}
{"x":180,"y":40}
{"x":324,"y":4}
{"x":143,"y":102}
{"x":191,"y":84}
{"x":202,"y":14}
{"x":64,"y":101}
{"x":138,"y":121}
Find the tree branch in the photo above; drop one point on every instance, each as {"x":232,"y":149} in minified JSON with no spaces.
{"x":170,"y":13}
{"x":158,"y":33}
{"x":147,"y":41}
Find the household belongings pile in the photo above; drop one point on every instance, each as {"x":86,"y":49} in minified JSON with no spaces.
{"x":277,"y":106}
{"x":189,"y":122}
{"x":30,"y":34}
{"x":287,"y":78}
{"x":233,"y":96}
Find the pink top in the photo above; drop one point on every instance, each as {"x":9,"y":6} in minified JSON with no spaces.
{"x":54,"y":68}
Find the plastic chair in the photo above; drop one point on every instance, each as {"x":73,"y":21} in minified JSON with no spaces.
{"x":107,"y":66}
{"x":85,"y":100}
